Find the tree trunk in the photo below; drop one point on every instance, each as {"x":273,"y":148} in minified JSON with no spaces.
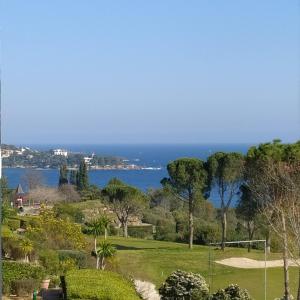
{"x":125,"y":228}
{"x":298,"y":295}
{"x":250,"y":234}
{"x":224,"y":228}
{"x":102,"y":263}
{"x":105,"y":233}
{"x":285,"y":260}
{"x":268,"y":241}
{"x":95,"y":249}
{"x":191,"y":224}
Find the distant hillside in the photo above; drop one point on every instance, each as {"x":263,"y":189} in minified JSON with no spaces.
{"x":26,"y":157}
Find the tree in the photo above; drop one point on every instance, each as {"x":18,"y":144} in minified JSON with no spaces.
{"x":125,"y":200}
{"x":82,"y":177}
{"x":73,"y":177}
{"x":104,"y":251}
{"x":247,"y":209}
{"x":188,"y":181}
{"x":33,"y":179}
{"x":6,"y":192}
{"x":26,"y":247}
{"x":273,"y":175}
{"x":95,"y":228}
{"x":63,"y":175}
{"x":105,"y":221}
{"x":226,"y":174}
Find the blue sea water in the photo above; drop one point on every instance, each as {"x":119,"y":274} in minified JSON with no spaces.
{"x":154,"y":155}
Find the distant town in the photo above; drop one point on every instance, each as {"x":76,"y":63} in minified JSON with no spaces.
{"x":25,"y":157}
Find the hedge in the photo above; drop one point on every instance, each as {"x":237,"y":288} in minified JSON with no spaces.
{"x":15,"y":271}
{"x":141,"y":232}
{"x":99,"y":285}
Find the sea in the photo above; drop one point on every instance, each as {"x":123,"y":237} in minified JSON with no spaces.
{"x":153,"y":157}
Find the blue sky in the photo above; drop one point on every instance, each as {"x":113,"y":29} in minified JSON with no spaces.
{"x":149,"y":71}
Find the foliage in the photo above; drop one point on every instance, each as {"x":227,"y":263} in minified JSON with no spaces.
{"x":63,"y":175}
{"x":78,"y":256}
{"x":188,"y":180}
{"x":55,"y":233}
{"x":104,"y":251}
{"x":184,"y":285}
{"x":67,"y":211}
{"x":49,"y":260}
{"x":16,"y":271}
{"x":12,"y":223}
{"x":141,"y":231}
{"x":92,"y":192}
{"x":82,"y":177}
{"x":126,"y":201}
{"x":232,"y":292}
{"x":98,"y":285}
{"x":225,"y":172}
{"x":69,"y":193}
{"x":24,"y":287}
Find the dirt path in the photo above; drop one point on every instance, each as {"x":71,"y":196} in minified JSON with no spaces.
{"x":247,"y":263}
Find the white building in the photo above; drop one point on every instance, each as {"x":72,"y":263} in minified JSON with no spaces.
{"x":60,"y":152}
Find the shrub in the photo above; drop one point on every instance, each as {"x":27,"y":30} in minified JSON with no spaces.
{"x":96,"y":285}
{"x":184,"y":285}
{"x":67,"y":211}
{"x":78,"y":256}
{"x":24,"y":287}
{"x":142,"y":232}
{"x":232,"y":292}
{"x":50,"y":261}
{"x":13,"y":271}
{"x":13,"y":224}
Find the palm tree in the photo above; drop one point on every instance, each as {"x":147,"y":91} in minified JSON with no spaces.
{"x":26,"y":247}
{"x":104,"y":251}
{"x":105,"y":221}
{"x":95,"y":229}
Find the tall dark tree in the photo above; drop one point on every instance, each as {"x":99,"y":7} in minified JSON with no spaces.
{"x":82,"y":177}
{"x":63,"y":175}
{"x":73,"y":177}
{"x":225,"y":174}
{"x":247,"y":210}
{"x":188,"y":181}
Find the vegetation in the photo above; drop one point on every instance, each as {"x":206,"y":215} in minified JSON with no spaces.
{"x":13,"y":271}
{"x":98,"y":285}
{"x":264,"y":185}
{"x":46,"y":159}
{"x":187,"y":178}
{"x":126,"y":201}
{"x":184,"y":285}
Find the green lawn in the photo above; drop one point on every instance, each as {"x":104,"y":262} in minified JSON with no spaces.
{"x":154,"y":261}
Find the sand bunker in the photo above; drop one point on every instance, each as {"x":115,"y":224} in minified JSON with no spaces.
{"x":247,"y":263}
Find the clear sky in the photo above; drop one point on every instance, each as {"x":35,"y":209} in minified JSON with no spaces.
{"x":149,"y":71}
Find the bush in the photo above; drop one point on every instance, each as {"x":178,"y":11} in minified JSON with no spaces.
{"x":67,"y":211}
{"x":165,"y":230}
{"x":78,"y":256}
{"x":184,"y":285}
{"x":50,"y":261}
{"x":96,"y":285}
{"x":13,"y":271}
{"x":24,"y":287}
{"x":143,"y":232}
{"x":232,"y":292}
{"x":13,"y":224}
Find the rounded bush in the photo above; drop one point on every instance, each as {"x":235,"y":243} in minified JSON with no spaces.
{"x":232,"y":292}
{"x":183,"y":285}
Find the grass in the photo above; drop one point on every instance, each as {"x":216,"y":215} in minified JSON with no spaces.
{"x":155,"y":260}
